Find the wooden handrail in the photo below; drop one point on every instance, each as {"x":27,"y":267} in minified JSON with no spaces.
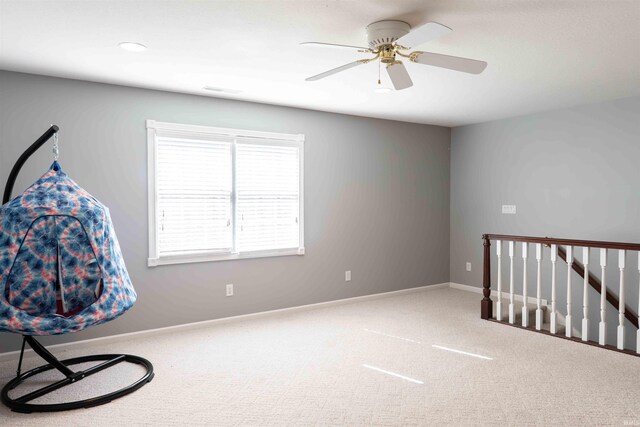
{"x":629,"y":314}
{"x":565,"y":242}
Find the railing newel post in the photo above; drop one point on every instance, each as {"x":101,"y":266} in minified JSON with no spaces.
{"x":486,"y":306}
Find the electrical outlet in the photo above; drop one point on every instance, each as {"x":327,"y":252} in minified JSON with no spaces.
{"x":347,"y":276}
{"x":509,"y":209}
{"x":468,"y":266}
{"x":230,"y":290}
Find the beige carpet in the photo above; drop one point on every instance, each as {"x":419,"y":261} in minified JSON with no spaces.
{"x":367,"y":363}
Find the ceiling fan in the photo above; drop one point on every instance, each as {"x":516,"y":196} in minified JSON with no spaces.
{"x":389,"y":39}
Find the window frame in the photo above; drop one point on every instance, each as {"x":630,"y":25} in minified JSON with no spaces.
{"x":159,"y":129}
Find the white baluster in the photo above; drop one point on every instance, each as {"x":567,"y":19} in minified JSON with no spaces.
{"x":585,"y":295}
{"x":512,"y":312}
{"x":622,"y":255}
{"x":638,"y":333}
{"x":602,"y":338}
{"x":569,"y":319}
{"x":554,"y":321}
{"x":539,"y":287}
{"x":525,"y":308}
{"x":499,"y":302}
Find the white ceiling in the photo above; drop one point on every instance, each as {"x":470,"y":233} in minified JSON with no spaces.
{"x":541,"y":54}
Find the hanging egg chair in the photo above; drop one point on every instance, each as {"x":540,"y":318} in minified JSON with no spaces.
{"x":61,"y":271}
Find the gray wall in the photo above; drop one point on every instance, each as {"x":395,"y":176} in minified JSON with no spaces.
{"x":376,"y":197}
{"x":572,"y":173}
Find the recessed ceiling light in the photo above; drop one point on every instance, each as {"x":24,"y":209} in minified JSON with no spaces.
{"x":132,"y":47}
{"x":221,"y":90}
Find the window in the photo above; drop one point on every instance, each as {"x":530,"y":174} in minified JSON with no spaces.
{"x":217,"y":194}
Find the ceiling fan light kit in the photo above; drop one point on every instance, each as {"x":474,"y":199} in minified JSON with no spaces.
{"x":389,"y":39}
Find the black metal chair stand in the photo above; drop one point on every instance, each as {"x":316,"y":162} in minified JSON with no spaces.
{"x":21,"y":404}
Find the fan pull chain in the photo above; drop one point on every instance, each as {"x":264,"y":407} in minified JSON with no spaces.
{"x":379,"y":72}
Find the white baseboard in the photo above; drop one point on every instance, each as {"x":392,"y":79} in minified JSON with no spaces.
{"x":494,"y":293}
{"x":11,"y":355}
{"x":94,"y":342}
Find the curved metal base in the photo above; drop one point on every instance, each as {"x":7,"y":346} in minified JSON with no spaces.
{"x":21,"y":404}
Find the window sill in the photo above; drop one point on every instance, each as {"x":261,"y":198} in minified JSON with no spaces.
{"x":185,"y":259}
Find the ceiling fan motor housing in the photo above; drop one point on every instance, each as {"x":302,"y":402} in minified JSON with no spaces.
{"x":386,"y":32}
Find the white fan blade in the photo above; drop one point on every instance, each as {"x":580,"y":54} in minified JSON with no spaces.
{"x":331,"y":45}
{"x":427,"y":32}
{"x":334,"y":71}
{"x":399,"y":76}
{"x":450,"y":62}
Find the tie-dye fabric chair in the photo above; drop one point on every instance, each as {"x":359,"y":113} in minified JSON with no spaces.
{"x":61,"y":269}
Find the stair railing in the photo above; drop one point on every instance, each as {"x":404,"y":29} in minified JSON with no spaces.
{"x":594,"y":282}
{"x":582,"y":268}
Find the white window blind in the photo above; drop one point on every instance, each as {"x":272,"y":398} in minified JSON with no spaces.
{"x":223,"y":193}
{"x":268,"y":195}
{"x":194,"y":196}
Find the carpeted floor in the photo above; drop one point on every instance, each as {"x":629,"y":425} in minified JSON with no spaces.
{"x":366,"y":363}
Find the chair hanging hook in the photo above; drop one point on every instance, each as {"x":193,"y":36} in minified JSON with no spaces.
{"x":56,"y":148}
